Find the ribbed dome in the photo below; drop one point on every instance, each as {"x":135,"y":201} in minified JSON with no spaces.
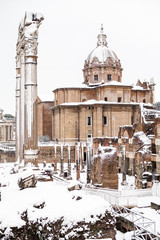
{"x":102,"y":53}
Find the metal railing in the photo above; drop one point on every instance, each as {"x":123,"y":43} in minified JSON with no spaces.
{"x":144,"y":228}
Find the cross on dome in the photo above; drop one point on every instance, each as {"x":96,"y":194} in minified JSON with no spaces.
{"x":102,"y":38}
{"x":101,"y":27}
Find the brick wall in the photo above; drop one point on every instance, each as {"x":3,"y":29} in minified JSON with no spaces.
{"x":47,"y":153}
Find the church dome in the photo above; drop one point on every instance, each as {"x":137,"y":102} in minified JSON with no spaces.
{"x":101,"y":53}
{"x":102,"y":64}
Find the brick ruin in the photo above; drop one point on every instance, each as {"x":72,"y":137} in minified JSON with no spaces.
{"x":142,"y":145}
{"x":104,"y":168}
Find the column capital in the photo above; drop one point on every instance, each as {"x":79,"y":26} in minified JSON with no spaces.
{"x":30,"y":49}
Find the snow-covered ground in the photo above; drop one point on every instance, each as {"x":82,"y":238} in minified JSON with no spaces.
{"x":58,"y":202}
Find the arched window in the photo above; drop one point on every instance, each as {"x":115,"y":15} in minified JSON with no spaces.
{"x":106,"y":99}
{"x":144,"y":100}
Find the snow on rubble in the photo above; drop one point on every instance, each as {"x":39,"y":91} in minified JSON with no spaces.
{"x":142,"y":137}
{"x":56,"y":201}
{"x":145,"y":141}
{"x":14,"y":202}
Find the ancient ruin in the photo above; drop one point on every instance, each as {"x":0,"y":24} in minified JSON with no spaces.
{"x":104,"y":168}
{"x":85,"y":123}
{"x":26,"y":88}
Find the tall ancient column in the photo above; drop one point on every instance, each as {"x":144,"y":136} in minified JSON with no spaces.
{"x":21,"y":114}
{"x":27,"y":48}
{"x":18,"y":109}
{"x":32,"y":23}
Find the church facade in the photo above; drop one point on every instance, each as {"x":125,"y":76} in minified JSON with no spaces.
{"x":102,"y":103}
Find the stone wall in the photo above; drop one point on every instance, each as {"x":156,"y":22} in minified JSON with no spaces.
{"x":47,"y":153}
{"x":45,"y":119}
{"x":104,"y":168}
{"x":70,"y":121}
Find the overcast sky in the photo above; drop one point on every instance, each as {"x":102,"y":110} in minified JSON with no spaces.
{"x":69,"y":33}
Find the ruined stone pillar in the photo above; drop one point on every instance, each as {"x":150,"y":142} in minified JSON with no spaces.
{"x":55,"y":158}
{"x":88,"y":163}
{"x":82,"y":156}
{"x":69,"y":161}
{"x":22,"y":77}
{"x":31,"y":137}
{"x":77,"y":163}
{"x":124,"y":162}
{"x":131,"y":157}
{"x":18,"y":109}
{"x":32,"y":23}
{"x":61,"y":164}
{"x":27,"y":49}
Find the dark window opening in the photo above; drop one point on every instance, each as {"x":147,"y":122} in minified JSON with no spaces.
{"x":144,"y":100}
{"x":106,"y":99}
{"x":118,"y":78}
{"x":132,"y":120}
{"x":89,"y":121}
{"x":85,"y":158}
{"x":96,"y":78}
{"x":109,"y":77}
{"x":104,"y":120}
{"x":153,"y":148}
{"x":89,"y":136}
{"x":119,"y":99}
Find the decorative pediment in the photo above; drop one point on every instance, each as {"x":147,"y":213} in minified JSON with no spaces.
{"x":95,"y":60}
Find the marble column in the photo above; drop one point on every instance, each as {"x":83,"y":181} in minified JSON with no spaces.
{"x":31,"y":25}
{"x":21,"y":111}
{"x":124,"y":162}
{"x":62,"y":162}
{"x":77,"y":162}
{"x":69,"y":161}
{"x":18,"y":109}
{"x":30,"y":107}
{"x":26,"y":108}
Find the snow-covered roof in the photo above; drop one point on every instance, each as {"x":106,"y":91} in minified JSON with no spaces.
{"x":93,"y":85}
{"x":139,"y":88}
{"x":110,"y":83}
{"x":102,"y":53}
{"x":93,"y":101}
